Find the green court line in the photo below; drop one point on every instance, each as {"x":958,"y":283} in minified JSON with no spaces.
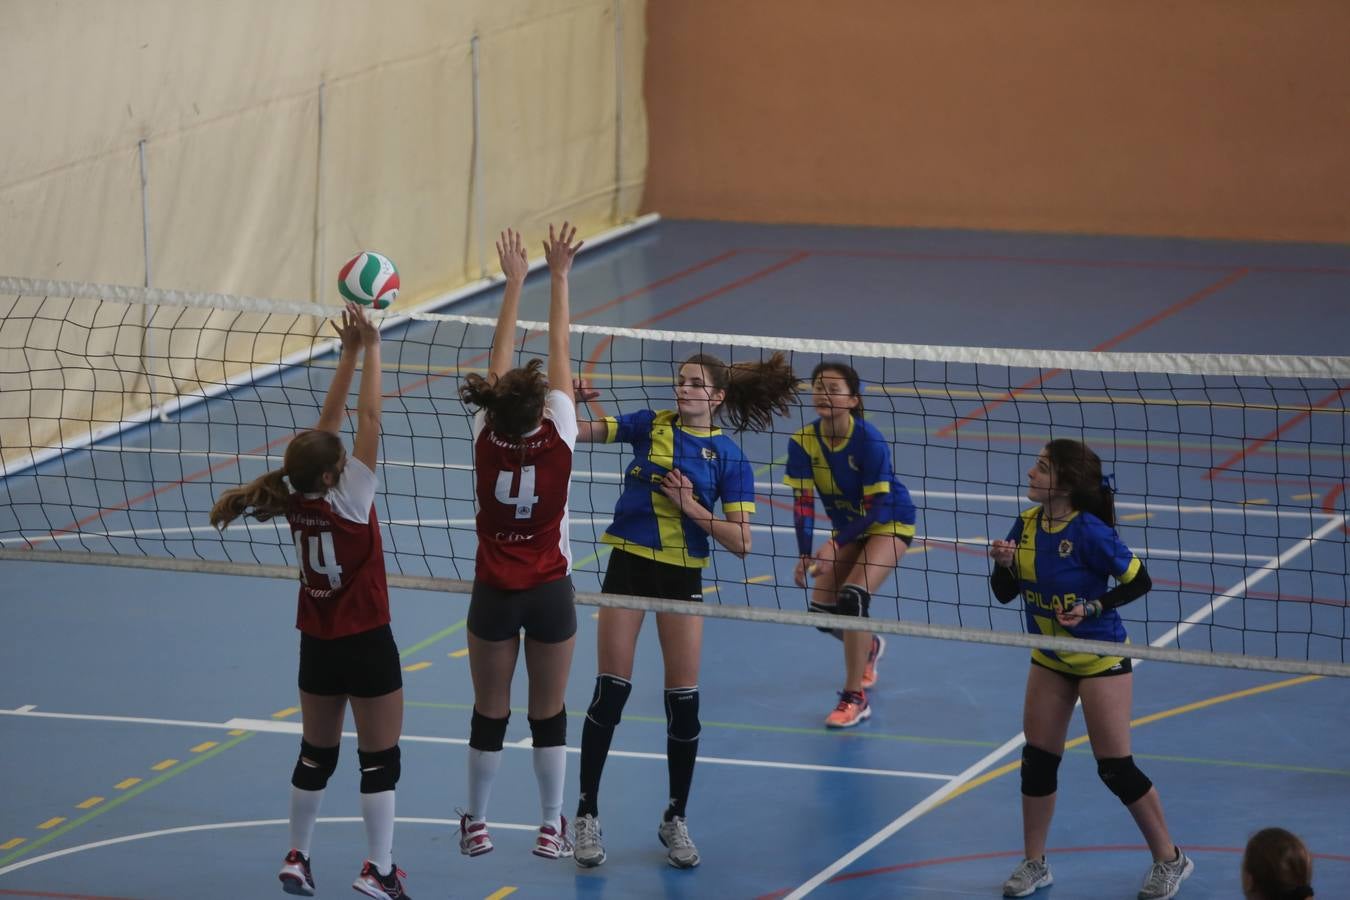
{"x":427,"y":642}
{"x":1243,"y":764}
{"x":118,"y":801}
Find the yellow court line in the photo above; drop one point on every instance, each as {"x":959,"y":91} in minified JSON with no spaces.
{"x":1305,"y":497}
{"x":205,"y":745}
{"x":1256,"y":501}
{"x":235,"y":732}
{"x":1096,"y":397}
{"x":1135,"y":723}
{"x":1135,"y":517}
{"x":459,"y":653}
{"x":166,"y":764}
{"x":417,"y":667}
{"x":283,"y":713}
{"x":126,"y":783}
{"x":51,"y":823}
{"x":499,"y":894}
{"x":758,"y":578}
{"x":12,"y":843}
{"x":92,"y":801}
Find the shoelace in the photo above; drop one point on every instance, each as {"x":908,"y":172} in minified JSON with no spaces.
{"x":847,"y":698}
{"x":588,"y":829}
{"x":680,"y":840}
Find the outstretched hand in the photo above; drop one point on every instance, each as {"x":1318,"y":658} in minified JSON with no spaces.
{"x":356,"y":329}
{"x":582,"y":390}
{"x":1003,"y":553}
{"x":511,"y":253}
{"x":559,"y":249}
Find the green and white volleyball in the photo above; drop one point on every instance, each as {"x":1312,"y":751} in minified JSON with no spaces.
{"x":369,"y":278}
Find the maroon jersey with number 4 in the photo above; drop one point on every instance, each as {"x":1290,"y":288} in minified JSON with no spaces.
{"x":343,"y":589}
{"x":522,"y":499}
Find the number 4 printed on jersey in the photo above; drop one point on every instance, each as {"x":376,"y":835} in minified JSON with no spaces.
{"x":321,"y":559}
{"x":523,"y":501}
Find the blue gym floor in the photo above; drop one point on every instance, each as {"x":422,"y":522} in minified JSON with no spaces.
{"x":149,"y":718}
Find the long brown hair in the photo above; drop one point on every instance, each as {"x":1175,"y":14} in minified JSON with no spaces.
{"x":514,"y":403}
{"x":1078,"y":471}
{"x":309,"y":456}
{"x":752,"y":392}
{"x":1278,"y":864}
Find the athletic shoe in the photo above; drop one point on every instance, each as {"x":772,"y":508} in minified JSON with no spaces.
{"x":587,"y":849}
{"x":852,"y":709}
{"x":873,"y":655}
{"x":553,"y":844}
{"x":382,"y":887}
{"x":1165,"y":878}
{"x":295,"y":875}
{"x":1030,"y":876}
{"x":674,"y":834}
{"x":474,"y":839}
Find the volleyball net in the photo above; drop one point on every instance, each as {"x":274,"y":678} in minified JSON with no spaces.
{"x":125,"y":412}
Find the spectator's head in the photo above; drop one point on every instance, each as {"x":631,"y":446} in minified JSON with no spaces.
{"x":1276,"y":866}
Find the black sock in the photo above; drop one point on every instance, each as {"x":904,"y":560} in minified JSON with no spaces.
{"x":595,"y":740}
{"x":680,"y":758}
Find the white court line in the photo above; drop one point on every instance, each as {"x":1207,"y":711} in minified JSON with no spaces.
{"x":257,"y":823}
{"x":941,"y":794}
{"x":274,"y":726}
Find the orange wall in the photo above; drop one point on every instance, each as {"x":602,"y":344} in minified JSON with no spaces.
{"x":1218,"y":118}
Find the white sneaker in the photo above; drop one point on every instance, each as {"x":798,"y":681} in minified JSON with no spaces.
{"x":586,"y":847}
{"x":1165,"y":878}
{"x":1030,"y":876}
{"x":674,"y":834}
{"x":553,"y":844}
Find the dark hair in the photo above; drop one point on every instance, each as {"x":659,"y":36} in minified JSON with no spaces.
{"x":309,"y":456}
{"x":1078,"y":471}
{"x":753,"y":392}
{"x":514,"y":403}
{"x":846,"y":372}
{"x":1279,"y":865}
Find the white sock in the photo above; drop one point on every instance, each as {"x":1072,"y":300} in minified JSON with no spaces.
{"x":550,"y":770}
{"x":483,"y":766}
{"x":378,"y":812}
{"x":304,"y":813}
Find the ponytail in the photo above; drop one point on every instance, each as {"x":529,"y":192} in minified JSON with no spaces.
{"x":752,"y":392}
{"x":262,"y":498}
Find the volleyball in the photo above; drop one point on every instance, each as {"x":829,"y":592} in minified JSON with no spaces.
{"x":370,"y":279}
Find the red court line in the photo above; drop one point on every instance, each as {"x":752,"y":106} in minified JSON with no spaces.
{"x":1266,"y":439}
{"x":727,"y":288}
{"x":1255,"y":595}
{"x":80,"y":523}
{"x":1204,"y":293}
{"x":645,"y":289}
{"x":1056,"y":261}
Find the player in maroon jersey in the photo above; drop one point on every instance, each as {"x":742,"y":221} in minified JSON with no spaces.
{"x":524,"y":433}
{"x":347,"y":650}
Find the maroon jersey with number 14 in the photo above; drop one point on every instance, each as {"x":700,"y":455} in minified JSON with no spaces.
{"x":343,"y":589}
{"x":522,"y":499}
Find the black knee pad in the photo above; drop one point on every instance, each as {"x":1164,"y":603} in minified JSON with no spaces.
{"x":379,"y":769}
{"x":1123,"y":778}
{"x":550,"y":732}
{"x":682,"y":714}
{"x":815,"y":607}
{"x":854,"y":600}
{"x":314,"y":767}
{"x":1040,"y":772}
{"x":611,"y":693}
{"x":487,"y":734}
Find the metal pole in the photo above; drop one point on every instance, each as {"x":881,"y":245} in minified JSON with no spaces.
{"x":146,"y":313}
{"x":477,"y":164}
{"x":618,"y":109}
{"x":317,"y":278}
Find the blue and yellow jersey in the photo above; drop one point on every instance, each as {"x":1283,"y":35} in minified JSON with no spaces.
{"x":846,"y":474}
{"x":646,"y":523}
{"x":1071,"y":564}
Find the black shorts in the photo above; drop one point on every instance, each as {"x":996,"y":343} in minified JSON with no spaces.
{"x":1124,"y":667}
{"x":547,"y":612}
{"x":630,"y":574}
{"x":360,"y":665}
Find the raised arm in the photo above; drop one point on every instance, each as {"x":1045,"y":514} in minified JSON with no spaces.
{"x":366,"y":447}
{"x":559,"y":250}
{"x":591,"y":430}
{"x":335,"y":401}
{"x":515,"y":266}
